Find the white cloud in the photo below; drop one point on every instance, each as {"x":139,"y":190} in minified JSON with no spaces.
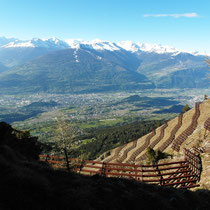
{"x":187,"y":15}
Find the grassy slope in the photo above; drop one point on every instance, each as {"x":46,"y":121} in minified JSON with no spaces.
{"x":196,"y":139}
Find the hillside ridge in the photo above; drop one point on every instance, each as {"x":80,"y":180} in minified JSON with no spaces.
{"x":185,"y":131}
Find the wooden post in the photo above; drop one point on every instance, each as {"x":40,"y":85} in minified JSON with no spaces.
{"x":47,"y":156}
{"x":81,"y":166}
{"x":142,"y":174}
{"x":159,"y":173}
{"x":135,"y":171}
{"x":103,"y":169}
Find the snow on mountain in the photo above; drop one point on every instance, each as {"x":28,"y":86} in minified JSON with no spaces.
{"x":129,"y":46}
{"x":19,"y":43}
{"x":96,"y":44}
{"x":36,"y":42}
{"x":74,"y":43}
{"x":54,"y":42}
{"x":196,"y":53}
{"x":5,"y":40}
{"x":145,"y":47}
{"x":157,"y":48}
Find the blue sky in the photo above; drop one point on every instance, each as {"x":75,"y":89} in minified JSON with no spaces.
{"x":184,"y":24}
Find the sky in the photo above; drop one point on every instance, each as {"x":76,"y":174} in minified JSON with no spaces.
{"x":183,"y":24}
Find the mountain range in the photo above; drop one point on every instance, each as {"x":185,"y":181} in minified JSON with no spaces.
{"x":78,"y":66}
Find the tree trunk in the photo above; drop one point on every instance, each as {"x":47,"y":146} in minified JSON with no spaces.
{"x":67,"y":160}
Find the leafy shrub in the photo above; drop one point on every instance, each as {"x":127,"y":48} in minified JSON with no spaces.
{"x":186,"y":108}
{"x":154,"y":156}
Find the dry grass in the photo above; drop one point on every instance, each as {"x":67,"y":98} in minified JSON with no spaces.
{"x":196,"y":139}
{"x":152,"y":139}
{"x":140,"y":143}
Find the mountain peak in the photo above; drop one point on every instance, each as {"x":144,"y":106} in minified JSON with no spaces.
{"x":157,"y":48}
{"x":5,"y":40}
{"x":146,"y":47}
{"x":74,"y":43}
{"x":129,"y":46}
{"x":37,"y":42}
{"x":96,"y":44}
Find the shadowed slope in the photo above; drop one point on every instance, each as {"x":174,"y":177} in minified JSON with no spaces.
{"x":29,"y":184}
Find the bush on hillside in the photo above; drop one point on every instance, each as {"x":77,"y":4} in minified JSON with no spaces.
{"x":186,"y":108}
{"x":20,"y":141}
{"x":154,"y":156}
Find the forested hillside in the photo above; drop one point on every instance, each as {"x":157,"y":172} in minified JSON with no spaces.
{"x":104,"y":139}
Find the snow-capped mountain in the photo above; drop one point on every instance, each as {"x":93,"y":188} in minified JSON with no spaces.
{"x":36,"y":42}
{"x":15,"y":52}
{"x":76,"y":65}
{"x":74,"y":43}
{"x":5,"y":41}
{"x":130,"y":46}
{"x":97,"y":44}
{"x":145,"y":47}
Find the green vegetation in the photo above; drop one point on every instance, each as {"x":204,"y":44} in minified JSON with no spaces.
{"x":154,"y":156}
{"x":96,"y":140}
{"x":93,"y":113}
{"x":104,"y":139}
{"x":186,"y":108}
{"x":65,"y":135}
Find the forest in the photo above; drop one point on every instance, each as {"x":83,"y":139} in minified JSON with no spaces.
{"x":98,"y":141}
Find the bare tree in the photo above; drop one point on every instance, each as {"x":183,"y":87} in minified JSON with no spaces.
{"x":65,"y":134}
